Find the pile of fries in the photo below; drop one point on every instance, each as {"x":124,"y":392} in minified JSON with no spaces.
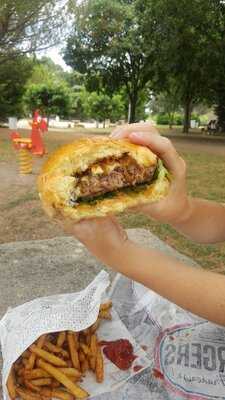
{"x":53,"y":366}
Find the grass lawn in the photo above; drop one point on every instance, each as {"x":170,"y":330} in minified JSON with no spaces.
{"x":22,"y":218}
{"x":205,"y":179}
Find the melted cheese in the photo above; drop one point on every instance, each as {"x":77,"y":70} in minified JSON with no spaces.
{"x":110,"y":167}
{"x":97,"y":170}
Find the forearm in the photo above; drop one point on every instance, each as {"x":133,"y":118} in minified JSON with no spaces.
{"x":204,"y":221}
{"x":190,"y":288}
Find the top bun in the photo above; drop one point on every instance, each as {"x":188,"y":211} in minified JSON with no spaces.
{"x":57,"y":179}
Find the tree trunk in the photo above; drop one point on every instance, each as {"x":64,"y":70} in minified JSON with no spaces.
{"x":187,"y":116}
{"x":171,"y":120}
{"x":220,"y":108}
{"x":104,"y":124}
{"x":132,"y":108}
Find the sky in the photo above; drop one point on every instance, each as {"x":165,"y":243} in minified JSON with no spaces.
{"x":54,"y":54}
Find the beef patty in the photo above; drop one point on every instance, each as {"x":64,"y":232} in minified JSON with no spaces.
{"x":111,"y":174}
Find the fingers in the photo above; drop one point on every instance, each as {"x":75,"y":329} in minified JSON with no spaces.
{"x":83,"y":229}
{"x":125,"y":130}
{"x":86,"y":230}
{"x":163,"y":148}
{"x":146,"y":134}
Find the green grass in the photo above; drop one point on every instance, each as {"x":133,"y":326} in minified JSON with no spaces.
{"x":205,"y":179}
{"x":20,"y":200}
{"x":52,"y":139}
{"x":206,"y":172}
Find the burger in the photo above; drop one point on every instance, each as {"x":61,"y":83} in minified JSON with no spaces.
{"x":93,"y":177}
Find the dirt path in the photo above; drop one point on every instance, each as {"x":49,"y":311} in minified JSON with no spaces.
{"x":21,"y":216}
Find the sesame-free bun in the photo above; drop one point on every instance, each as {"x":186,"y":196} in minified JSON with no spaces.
{"x":57,"y":181}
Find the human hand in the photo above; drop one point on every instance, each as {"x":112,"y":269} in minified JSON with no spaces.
{"x":175,"y":208}
{"x":103,"y":237}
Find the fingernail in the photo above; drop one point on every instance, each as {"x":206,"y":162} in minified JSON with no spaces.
{"x":136,"y":134}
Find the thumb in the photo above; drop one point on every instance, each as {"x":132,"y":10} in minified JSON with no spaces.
{"x":162,"y":147}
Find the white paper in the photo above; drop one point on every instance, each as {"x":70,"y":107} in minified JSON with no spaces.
{"x":187,"y":352}
{"x":21,"y":326}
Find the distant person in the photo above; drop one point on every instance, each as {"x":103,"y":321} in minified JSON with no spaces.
{"x":212,"y":126}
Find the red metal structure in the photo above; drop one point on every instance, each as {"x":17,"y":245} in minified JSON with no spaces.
{"x":39,"y":126}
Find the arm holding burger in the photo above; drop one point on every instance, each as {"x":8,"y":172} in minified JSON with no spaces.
{"x":179,"y":283}
{"x":201,"y":220}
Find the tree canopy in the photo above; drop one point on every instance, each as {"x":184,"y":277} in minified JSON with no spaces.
{"x":14,"y":75}
{"x":122,"y":52}
{"x":106,"y":44}
{"x":50,"y":99}
{"x":187,"y":38}
{"x":149,"y":42}
{"x":29,"y":25}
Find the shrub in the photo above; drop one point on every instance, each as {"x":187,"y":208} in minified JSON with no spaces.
{"x":162,"y":119}
{"x":178,"y":119}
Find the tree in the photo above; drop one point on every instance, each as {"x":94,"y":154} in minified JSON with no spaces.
{"x":186,"y":39}
{"x":46,"y":71}
{"x":14,"y":75}
{"x":50,"y":99}
{"x":29,"y":25}
{"x":102,"y":107}
{"x":219,"y":85}
{"x":118,"y":108}
{"x":220,"y":107}
{"x":168,"y":102}
{"x":106,"y":44}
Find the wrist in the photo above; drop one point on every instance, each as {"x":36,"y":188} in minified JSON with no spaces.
{"x":116,"y":256}
{"x":185,"y":213}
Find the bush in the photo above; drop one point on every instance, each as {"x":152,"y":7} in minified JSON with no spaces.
{"x":178,"y":119}
{"x":162,"y":119}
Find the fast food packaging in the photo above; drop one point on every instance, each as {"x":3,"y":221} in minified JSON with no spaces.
{"x":23,"y":325}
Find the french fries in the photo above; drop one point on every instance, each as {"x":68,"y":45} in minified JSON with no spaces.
{"x":105,"y":314}
{"x":58,"y":394}
{"x":71,"y":372}
{"x":99,"y":366}
{"x":26,"y":394}
{"x":77,"y":391}
{"x":55,"y":364}
{"x":48,"y":356}
{"x":106,"y":306}
{"x":72,"y":343}
{"x":61,"y":339}
{"x":93,"y":347}
{"x":36,"y":373}
{"x":32,"y":358}
{"x":11,"y":385}
{"x":42,"y":382}
{"x":56,"y":349}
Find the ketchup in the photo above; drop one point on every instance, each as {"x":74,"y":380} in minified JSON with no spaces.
{"x":119,"y":352}
{"x":137,"y":368}
{"x":157,"y":374}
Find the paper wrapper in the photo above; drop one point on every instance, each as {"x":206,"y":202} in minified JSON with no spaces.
{"x":21,"y":326}
{"x":186,"y":353}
